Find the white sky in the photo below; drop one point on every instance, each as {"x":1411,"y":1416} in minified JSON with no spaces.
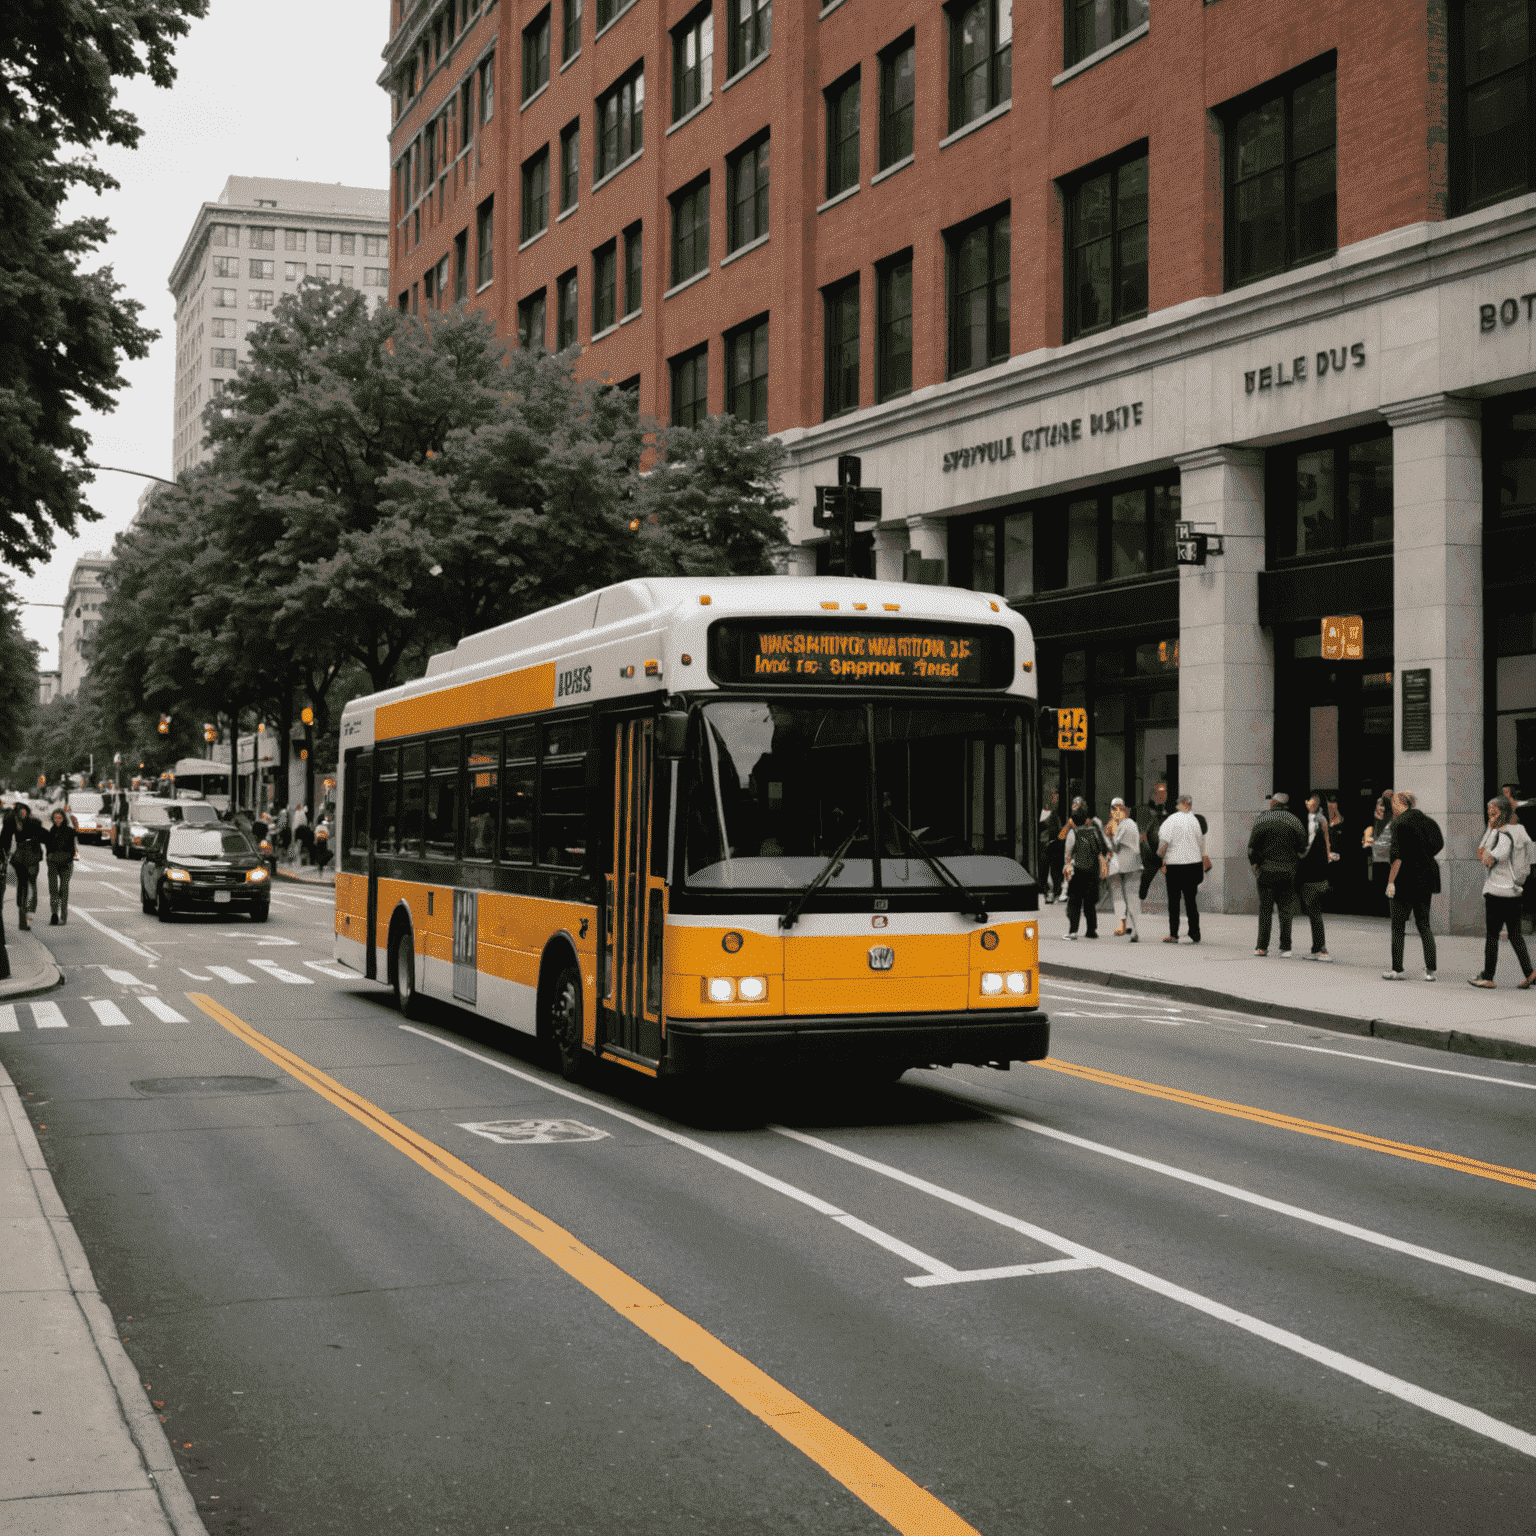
{"x":280,"y":89}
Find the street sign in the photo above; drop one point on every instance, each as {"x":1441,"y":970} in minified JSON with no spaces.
{"x":1192,"y":550}
{"x":1344,"y":638}
{"x":1072,"y":730}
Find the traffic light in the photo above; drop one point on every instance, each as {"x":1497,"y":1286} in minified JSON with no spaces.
{"x":210,"y":733}
{"x":165,"y":725}
{"x":307,"y":715}
{"x":839,"y":507}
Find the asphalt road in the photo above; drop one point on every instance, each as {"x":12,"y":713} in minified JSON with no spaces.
{"x":1289,"y":1280}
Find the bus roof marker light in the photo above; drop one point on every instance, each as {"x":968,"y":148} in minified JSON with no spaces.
{"x":989,"y":940}
{"x":831,"y":605}
{"x":860,"y":607}
{"x":891,"y":607}
{"x":626,"y":671}
{"x":1029,"y":666}
{"x":731,"y":943}
{"x":653,"y":669}
{"x":994,"y":607}
{"x":686,"y":659}
{"x":705,"y":600}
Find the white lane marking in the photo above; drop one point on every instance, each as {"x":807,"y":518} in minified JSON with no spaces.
{"x":121,"y":978}
{"x":1096,"y":995}
{"x":272,"y":968}
{"x":193,"y":974}
{"x":1431,"y":1402}
{"x":324,"y":901}
{"x":49,"y":1016}
{"x":1085,"y":996}
{"x":1007,"y":1272}
{"x":233,"y":977}
{"x":331,"y":970}
{"x":122,"y":938}
{"x":1124,"y":1018}
{"x":1407,"y":1066}
{"x":8,"y":1023}
{"x":162,"y":1010}
{"x":109,"y":1014}
{"x":936,"y":1268}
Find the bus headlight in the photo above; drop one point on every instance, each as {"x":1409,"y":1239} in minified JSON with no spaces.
{"x":1017,"y":982}
{"x":991,"y":983}
{"x":752,"y":989}
{"x":720,"y":989}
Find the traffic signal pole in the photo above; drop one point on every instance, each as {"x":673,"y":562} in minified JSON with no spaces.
{"x":840,"y":507}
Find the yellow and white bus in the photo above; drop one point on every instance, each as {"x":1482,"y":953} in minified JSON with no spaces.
{"x":748,"y":823}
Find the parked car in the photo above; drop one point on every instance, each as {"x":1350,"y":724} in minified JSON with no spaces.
{"x":91,"y":812}
{"x":203,"y":869}
{"x":135,"y":820}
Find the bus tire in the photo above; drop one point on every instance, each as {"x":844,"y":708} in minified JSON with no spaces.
{"x":565,"y":1010}
{"x":403,"y":975}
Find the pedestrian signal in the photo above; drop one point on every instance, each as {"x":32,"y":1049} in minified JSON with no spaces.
{"x":210,"y":733}
{"x":1344,"y":639}
{"x":307,"y":715}
{"x":165,"y":725}
{"x":1072,"y":730}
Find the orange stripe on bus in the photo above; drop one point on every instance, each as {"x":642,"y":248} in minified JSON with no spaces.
{"x":492,"y":698}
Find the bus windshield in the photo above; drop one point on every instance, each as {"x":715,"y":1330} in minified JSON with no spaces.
{"x":90,"y":802}
{"x":777,"y":788}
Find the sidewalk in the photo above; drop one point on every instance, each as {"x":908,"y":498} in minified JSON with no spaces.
{"x":1348,"y":995}
{"x":307,"y":874}
{"x":85,"y":1454}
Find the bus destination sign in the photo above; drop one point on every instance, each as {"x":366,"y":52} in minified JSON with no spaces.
{"x":861,"y":653}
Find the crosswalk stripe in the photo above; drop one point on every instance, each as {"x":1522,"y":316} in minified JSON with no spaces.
{"x":48,"y":1016}
{"x":162,"y":1010}
{"x":8,"y":1023}
{"x":272,"y":968}
{"x":122,"y":978}
{"x":331,"y":970}
{"x":109,"y":1013}
{"x":233,"y":977}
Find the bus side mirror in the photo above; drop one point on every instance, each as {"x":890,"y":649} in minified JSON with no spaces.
{"x":671,"y":733}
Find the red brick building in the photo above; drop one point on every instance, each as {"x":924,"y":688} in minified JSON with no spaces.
{"x":1064,"y":277}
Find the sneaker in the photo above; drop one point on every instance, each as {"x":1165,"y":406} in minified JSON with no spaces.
{"x":1261,"y":953}
{"x":1172,"y":938}
{"x":1135,"y":938}
{"x":1285,"y":954}
{"x":1430,"y":976}
{"x":1321,"y":956}
{"x":1393,"y":976}
{"x":1479,"y":981}
{"x":1070,"y":935}
{"x":1194,"y":938}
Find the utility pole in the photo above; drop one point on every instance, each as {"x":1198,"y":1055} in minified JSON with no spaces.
{"x":839,"y":507}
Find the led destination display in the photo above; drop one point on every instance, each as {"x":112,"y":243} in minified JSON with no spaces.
{"x":861,"y":653}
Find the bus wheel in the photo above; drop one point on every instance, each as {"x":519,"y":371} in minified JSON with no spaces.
{"x":565,"y":1021}
{"x":407,"y":998}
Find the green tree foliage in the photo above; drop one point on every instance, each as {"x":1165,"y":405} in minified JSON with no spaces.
{"x":18,"y":676}
{"x":63,"y":331}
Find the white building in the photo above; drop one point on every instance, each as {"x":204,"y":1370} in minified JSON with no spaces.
{"x":82,"y":614}
{"x":261,"y":239}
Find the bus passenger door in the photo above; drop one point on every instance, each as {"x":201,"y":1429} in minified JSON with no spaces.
{"x":632,"y":930}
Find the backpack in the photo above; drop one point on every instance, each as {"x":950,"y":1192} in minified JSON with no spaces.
{"x":1086,"y":849}
{"x":1520,"y":856}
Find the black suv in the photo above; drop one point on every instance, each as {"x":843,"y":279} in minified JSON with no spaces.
{"x":203,"y":869}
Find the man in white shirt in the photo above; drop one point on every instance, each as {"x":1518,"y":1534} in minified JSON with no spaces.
{"x":1181,"y":847}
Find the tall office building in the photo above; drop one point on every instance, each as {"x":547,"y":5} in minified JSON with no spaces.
{"x":259,"y":240}
{"x":1067,"y":286}
{"x":82,"y":617}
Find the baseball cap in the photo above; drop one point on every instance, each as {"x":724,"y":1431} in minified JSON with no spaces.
{"x":1117,"y":801}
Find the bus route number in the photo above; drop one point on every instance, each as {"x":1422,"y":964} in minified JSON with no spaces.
{"x":577,"y":680}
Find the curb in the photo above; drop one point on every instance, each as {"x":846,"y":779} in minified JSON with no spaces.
{"x":1453,"y":1040}
{"x":283,"y":874}
{"x":39,"y":981}
{"x":144,"y":1427}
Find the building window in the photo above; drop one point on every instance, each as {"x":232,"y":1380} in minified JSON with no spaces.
{"x":226,"y":266}
{"x":1282,"y":185}
{"x":1093,"y":24}
{"x":293,"y":239}
{"x":747,"y":178}
{"x":746,"y":371}
{"x":258,"y":298}
{"x":609,"y":10}
{"x":323,"y":270}
{"x":263,"y":271}
{"x":461,"y":265}
{"x":378,"y":277}
{"x":840,"y":308}
{"x":375,"y":245}
{"x":898,"y":96}
{"x":261,"y":239}
{"x":570,"y":165}
{"x":344,"y":276}
{"x":978,"y":293}
{"x":322,"y":242}
{"x":570,"y":30}
{"x":980,"y":59}
{"x":222,"y":328}
{"x":632,"y":270}
{"x":484,"y":242}
{"x":531,"y":322}
{"x":536,"y":55}
{"x":605,"y":287}
{"x":893,"y":353}
{"x":843,"y":135}
{"x":224,"y":234}
{"x":295,"y":271}
{"x":1494,"y":110}
{"x":1107,"y":247}
{"x":223,"y":357}
{"x":693,"y":57}
{"x":226,"y":298}
{"x":565,"y":311}
{"x":1323,"y":497}
{"x":536,"y":194}
{"x":690,"y":387}
{"x":348,"y":245}
{"x":620,"y":120}
{"x":690,"y":231}
{"x":488,"y":89}
{"x":467,"y":112}
{"x":750,"y":29}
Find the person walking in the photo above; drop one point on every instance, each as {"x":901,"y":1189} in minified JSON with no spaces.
{"x":303,"y":834}
{"x":1125,"y":869}
{"x":1149,"y":822}
{"x":1052,"y":848}
{"x":24,"y":838}
{"x":1275,"y":847}
{"x":1086,"y":857}
{"x":60,"y":843}
{"x":1505,"y":852}
{"x":1377,"y":838}
{"x":1312,"y":876}
{"x":1181,"y":850}
{"x":1413,"y":878}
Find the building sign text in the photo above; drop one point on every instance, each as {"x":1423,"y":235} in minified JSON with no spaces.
{"x":1057,"y":434}
{"x":1331,"y":360}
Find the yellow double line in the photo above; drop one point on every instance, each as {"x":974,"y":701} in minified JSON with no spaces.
{"x":1452,"y":1160}
{"x":868,"y":1476}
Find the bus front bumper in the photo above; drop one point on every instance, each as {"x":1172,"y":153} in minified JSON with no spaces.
{"x":839,"y":1041}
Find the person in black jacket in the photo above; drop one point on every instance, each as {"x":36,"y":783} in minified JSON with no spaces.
{"x":1312,"y":876}
{"x":1275,"y":847}
{"x":25,"y":839}
{"x":1413,"y":878}
{"x":59,"y":841}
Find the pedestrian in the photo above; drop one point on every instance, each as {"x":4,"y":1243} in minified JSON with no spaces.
{"x":24,"y":840}
{"x":1275,"y":847}
{"x":1125,"y":869}
{"x":1149,"y":822}
{"x":303,"y":834}
{"x":1181,"y":849}
{"x":1506,"y":852}
{"x":60,"y":842}
{"x":1378,"y":839}
{"x":284,"y":833}
{"x":1312,"y":876}
{"x":1413,"y":878}
{"x":1087,"y":857}
{"x":322,"y":845}
{"x":1052,"y":848}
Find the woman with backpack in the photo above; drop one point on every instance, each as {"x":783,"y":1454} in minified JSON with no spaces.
{"x":1505,"y":852}
{"x":1087,"y":858}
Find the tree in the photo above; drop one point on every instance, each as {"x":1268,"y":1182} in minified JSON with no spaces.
{"x":18,"y":675}
{"x":63,"y":331}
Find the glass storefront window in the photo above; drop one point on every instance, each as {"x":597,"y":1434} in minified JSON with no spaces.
{"x":1510,"y":438}
{"x":984,"y":557}
{"x":1018,"y":554}
{"x":1314,"y":502}
{"x":1082,"y":543}
{"x":1128,"y":533}
{"x":1370,"y":491}
{"x":1329,"y":495}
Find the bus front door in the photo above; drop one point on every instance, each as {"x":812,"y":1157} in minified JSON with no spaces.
{"x":635,"y":917}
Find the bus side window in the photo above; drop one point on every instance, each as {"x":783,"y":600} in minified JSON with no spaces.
{"x":563,"y":794}
{"x":359,"y":784}
{"x":386,"y":808}
{"x":519,"y":791}
{"x":482,"y":768}
{"x":442,"y":797}
{"x":413,"y":795}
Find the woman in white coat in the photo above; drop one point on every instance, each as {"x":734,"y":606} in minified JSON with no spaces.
{"x":1124,"y":838}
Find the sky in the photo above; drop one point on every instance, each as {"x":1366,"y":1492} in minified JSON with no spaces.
{"x":280,"y":89}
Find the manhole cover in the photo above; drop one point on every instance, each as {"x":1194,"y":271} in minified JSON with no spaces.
{"x":207,"y":1084}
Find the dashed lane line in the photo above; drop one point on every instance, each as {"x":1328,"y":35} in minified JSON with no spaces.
{"x":1407,"y":1066}
{"x":122,"y":938}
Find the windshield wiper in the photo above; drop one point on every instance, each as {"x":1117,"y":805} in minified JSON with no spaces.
{"x":947,"y":876}
{"x":829,"y":871}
